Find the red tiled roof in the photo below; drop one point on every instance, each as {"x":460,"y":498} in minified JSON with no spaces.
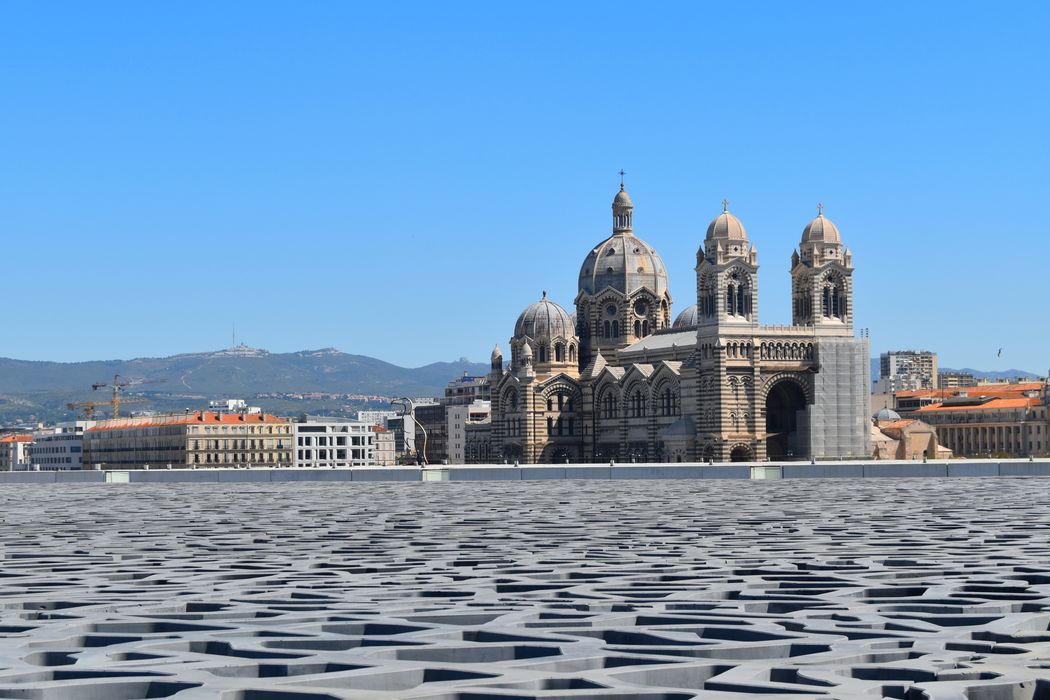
{"x":1011,"y":402}
{"x":197,"y":418}
{"x":980,"y":390}
{"x":893,"y":424}
{"x":17,"y":438}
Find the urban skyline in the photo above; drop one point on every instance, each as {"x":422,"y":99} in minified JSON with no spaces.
{"x":335,"y":162}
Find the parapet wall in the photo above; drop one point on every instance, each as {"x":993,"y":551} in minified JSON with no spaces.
{"x":494,"y":472}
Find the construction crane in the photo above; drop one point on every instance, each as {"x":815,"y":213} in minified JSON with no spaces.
{"x":90,"y":406}
{"x":118,"y":385}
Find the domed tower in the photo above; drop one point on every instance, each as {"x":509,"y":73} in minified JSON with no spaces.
{"x":822,"y":278}
{"x":727,"y":320}
{"x":623,"y":289}
{"x":726,"y":274}
{"x":545,"y":341}
{"x":495,"y":366}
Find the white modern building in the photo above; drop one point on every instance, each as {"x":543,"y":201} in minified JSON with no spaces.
{"x":459,"y":417}
{"x":333,"y":443}
{"x":60,"y":447}
{"x":375,"y":417}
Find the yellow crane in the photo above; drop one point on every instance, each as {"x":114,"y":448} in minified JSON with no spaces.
{"x":90,"y":406}
{"x":118,"y":385}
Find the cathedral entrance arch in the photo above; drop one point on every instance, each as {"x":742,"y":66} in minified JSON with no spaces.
{"x":740,"y":453}
{"x":784,"y":402}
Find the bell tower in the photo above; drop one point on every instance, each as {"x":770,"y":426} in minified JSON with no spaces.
{"x":822,"y":278}
{"x":726,"y":274}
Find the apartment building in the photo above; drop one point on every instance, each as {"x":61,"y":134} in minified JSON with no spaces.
{"x":334,"y":443}
{"x":190,"y":440}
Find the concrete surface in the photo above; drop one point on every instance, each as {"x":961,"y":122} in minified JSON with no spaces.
{"x":710,"y":588}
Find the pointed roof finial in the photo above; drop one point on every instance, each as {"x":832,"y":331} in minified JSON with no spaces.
{"x":725,"y":206}
{"x":544,"y":293}
{"x":621,"y":174}
{"x":820,"y":209}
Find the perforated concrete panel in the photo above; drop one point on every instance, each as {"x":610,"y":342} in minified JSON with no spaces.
{"x":837,"y":588}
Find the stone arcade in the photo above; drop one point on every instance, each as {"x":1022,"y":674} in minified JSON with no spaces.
{"x":618,"y":380}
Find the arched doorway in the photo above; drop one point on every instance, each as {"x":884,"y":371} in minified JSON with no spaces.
{"x":783,"y":404}
{"x":512,"y":452}
{"x":740,"y":453}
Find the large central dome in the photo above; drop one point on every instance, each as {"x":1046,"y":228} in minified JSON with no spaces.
{"x":623,"y":261}
{"x":626,"y":264}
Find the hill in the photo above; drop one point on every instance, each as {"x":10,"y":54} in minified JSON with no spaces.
{"x":37,"y":390}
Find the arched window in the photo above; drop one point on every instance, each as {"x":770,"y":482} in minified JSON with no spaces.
{"x":706,"y":297}
{"x":610,"y":405}
{"x":638,"y":329}
{"x":668,"y":402}
{"x":833,"y":297}
{"x":637,"y":404}
{"x":645,"y":328}
{"x":608,"y":330}
{"x":572,"y":353}
{"x":541,"y":353}
{"x":510,"y":400}
{"x":616,"y":329}
{"x":738,"y":294}
{"x":558,"y":353}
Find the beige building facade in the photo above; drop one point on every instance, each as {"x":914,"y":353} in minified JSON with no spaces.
{"x":198,"y":439}
{"x":996,"y":426}
{"x":14,"y":452}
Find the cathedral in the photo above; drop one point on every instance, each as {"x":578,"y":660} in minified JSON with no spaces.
{"x":618,"y":380}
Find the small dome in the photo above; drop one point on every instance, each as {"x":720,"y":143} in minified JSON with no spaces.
{"x":686,"y":319}
{"x":622,"y":199}
{"x":887,"y":415}
{"x":726,"y":226}
{"x":821,"y":230}
{"x":544,"y":319}
{"x":497,"y":354}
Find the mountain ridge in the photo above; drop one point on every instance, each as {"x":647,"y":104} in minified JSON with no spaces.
{"x":36,"y":389}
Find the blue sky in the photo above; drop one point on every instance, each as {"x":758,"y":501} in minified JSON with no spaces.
{"x":400,"y":180}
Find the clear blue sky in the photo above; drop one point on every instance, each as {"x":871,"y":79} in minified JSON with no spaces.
{"x":400,"y":179}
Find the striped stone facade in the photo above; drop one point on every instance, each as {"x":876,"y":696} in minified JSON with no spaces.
{"x":714,"y":385}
